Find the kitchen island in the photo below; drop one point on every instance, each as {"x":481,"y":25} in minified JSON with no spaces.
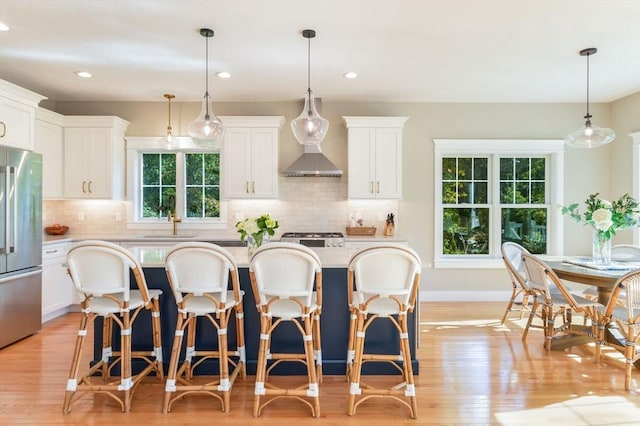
{"x":381,"y":338}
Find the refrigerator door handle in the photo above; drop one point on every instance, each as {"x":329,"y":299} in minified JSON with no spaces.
{"x":4,"y":181}
{"x":12,"y":210}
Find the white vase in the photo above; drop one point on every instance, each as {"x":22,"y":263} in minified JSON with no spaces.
{"x":601,"y":248}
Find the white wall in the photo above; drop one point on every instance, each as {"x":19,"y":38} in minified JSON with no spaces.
{"x":587,"y":171}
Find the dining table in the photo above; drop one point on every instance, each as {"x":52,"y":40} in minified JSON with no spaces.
{"x":583,"y":271}
{"x":604,"y":278}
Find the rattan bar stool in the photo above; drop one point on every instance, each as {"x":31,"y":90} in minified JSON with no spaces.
{"x":199,"y":275}
{"x":282,"y":278}
{"x":382,"y":283}
{"x":100,"y":272}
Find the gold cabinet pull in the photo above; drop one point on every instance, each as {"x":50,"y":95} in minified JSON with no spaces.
{"x":89,"y":186}
{"x":84,"y":183}
{"x":4,"y":129}
{"x":371,"y":186}
{"x":253,"y":187}
{"x":378,"y":187}
{"x":246,"y":186}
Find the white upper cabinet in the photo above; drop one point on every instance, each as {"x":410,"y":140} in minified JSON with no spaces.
{"x":48,"y":142}
{"x":94,"y":157}
{"x":17,"y":116}
{"x":250,"y":157}
{"x":375,"y":157}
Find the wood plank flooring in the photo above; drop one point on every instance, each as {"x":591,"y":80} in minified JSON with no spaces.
{"x":473,"y":370}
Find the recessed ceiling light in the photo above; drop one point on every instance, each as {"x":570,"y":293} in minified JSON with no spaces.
{"x":350,"y":75}
{"x":223,"y":74}
{"x":4,"y":27}
{"x":83,"y":74}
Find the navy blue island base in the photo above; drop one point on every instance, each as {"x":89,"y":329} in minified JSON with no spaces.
{"x":382,"y":337}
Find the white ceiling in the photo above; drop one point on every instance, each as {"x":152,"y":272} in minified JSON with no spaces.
{"x":403,"y":50}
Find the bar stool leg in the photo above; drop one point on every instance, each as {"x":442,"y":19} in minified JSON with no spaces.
{"x":72,"y":382}
{"x":170,"y":386}
{"x":354,"y":385}
{"x":157,"y":338}
{"x":240,"y":346}
{"x":261,"y":367}
{"x":317,"y":346}
{"x":410,"y":390}
{"x":351,"y":343}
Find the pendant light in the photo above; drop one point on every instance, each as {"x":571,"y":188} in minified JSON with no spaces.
{"x":207,"y":129}
{"x":309,"y":127}
{"x":169,"y":141}
{"x":590,"y":135}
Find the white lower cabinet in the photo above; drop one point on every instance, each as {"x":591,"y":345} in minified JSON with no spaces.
{"x":57,"y":289}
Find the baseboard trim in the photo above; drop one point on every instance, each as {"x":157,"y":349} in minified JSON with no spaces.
{"x":464,"y":296}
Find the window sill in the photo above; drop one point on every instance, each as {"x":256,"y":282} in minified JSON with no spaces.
{"x":192,"y":225}
{"x":480,"y":263}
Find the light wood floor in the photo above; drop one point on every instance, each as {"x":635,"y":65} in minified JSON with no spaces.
{"x":472,"y":371}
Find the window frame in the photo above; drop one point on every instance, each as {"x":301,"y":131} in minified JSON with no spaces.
{"x":493,"y":149}
{"x":135,"y":147}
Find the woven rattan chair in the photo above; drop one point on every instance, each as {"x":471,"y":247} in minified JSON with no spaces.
{"x":382,"y":284}
{"x":199,"y":275}
{"x":554,"y":305}
{"x":624,"y":314}
{"x":100,"y":272}
{"x":512,"y":257}
{"x":282,"y":278}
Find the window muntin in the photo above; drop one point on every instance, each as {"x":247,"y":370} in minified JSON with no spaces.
{"x":158,"y":171}
{"x":467,"y":205}
{"x":202,"y":185}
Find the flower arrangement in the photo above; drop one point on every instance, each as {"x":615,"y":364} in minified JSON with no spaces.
{"x":257,"y":228}
{"x":604,"y":216}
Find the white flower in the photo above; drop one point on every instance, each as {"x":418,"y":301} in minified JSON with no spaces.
{"x":251,"y":227}
{"x":602,"y":219}
{"x":606,"y":203}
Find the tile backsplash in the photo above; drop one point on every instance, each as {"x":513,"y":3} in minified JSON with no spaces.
{"x":305,"y":204}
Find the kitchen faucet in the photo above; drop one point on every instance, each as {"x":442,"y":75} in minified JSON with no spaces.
{"x":171,"y":216}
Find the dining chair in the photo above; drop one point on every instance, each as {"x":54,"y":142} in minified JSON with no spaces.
{"x":100,"y":272}
{"x":283,"y":276}
{"x":199,"y":274}
{"x":382,"y":284}
{"x":619,"y":322}
{"x":557,"y":305}
{"x":512,"y":257}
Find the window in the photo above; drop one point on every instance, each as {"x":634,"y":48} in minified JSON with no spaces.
{"x":185,"y":181}
{"x":488,"y":192}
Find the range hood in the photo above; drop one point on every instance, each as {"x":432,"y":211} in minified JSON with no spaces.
{"x":313,"y":163}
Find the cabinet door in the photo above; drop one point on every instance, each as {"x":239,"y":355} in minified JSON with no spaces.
{"x":264,"y":163}
{"x":236,"y":174}
{"x":57,"y":288}
{"x":361,"y":163}
{"x":388,"y":163}
{"x":17,"y":125}
{"x":48,"y":142}
{"x":87,"y":159}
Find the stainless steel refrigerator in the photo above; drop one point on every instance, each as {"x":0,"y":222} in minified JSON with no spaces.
{"x":20,"y":244}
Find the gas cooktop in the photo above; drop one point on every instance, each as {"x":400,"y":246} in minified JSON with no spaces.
{"x":313,"y":235}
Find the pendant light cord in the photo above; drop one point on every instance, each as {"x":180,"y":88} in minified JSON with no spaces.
{"x":206,"y":77}
{"x":588,"y":116}
{"x":309,"y":70}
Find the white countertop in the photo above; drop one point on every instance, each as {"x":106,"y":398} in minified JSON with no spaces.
{"x":153,"y":257}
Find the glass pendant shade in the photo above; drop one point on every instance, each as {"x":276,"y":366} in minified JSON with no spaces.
{"x":207,"y":129}
{"x":169,"y":141}
{"x":590,"y":136}
{"x":309,"y":127}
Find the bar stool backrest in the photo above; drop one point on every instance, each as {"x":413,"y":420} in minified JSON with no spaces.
{"x":285,"y":270}
{"x":198,"y":268}
{"x":386,"y":271}
{"x":98,"y":268}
